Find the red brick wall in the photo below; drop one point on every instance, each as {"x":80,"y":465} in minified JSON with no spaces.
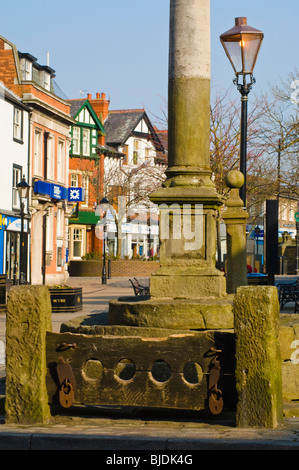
{"x":119,"y":268}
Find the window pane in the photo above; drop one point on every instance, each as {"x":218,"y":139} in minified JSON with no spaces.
{"x":17,"y":174}
{"x":77,"y":242}
{"x":60,"y":161}
{"x":76,"y":140}
{"x":38,"y":153}
{"x":17,"y":124}
{"x":50,"y":157}
{"x":74,"y":181}
{"x":86,"y":142}
{"x":85,"y":185}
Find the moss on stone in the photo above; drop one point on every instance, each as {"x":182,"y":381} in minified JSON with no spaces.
{"x":27,"y":320}
{"x":258,"y":359}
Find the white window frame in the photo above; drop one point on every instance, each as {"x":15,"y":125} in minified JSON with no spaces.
{"x":18,"y":124}
{"x":59,"y":223}
{"x":86,"y":142}
{"x":26,"y":69}
{"x":78,"y":234}
{"x":50,"y":156}
{"x":49,"y":230}
{"x":45,"y":79}
{"x":38,"y":146}
{"x":76,"y":141}
{"x":60,"y":161}
{"x":74,"y":180}
{"x":85,"y":186}
{"x":16,"y":178}
{"x":136,"y":149}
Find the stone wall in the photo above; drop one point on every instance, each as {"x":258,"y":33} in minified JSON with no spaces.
{"x":119,"y":268}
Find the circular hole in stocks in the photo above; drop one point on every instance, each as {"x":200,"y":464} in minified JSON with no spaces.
{"x":192,"y":372}
{"x":92,"y":369}
{"x":161,"y":371}
{"x":125,"y":369}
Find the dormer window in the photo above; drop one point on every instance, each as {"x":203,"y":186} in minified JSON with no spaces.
{"x":26,"y":69}
{"x":45,"y":78}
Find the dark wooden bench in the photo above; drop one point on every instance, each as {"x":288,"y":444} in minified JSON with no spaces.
{"x":289,"y":293}
{"x":138,"y":288}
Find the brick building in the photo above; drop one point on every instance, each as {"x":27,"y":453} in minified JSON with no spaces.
{"x":49,"y":127}
{"x":14,"y":150}
{"x":88,"y":157}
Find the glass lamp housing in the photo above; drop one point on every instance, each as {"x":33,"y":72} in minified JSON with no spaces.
{"x":242,"y":44}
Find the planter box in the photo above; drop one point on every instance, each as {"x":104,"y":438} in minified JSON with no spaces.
{"x":66,"y":299}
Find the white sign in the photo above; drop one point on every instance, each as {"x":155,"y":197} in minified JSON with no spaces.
{"x":16,"y":225}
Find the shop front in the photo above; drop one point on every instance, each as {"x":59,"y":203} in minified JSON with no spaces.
{"x":10,"y":241}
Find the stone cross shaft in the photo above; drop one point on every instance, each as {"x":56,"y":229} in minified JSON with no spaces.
{"x":188,"y":272}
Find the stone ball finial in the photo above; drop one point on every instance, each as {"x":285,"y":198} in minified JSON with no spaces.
{"x":234,"y":179}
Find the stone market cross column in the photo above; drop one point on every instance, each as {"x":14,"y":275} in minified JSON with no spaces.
{"x":186,"y":291}
{"x":188,"y":197}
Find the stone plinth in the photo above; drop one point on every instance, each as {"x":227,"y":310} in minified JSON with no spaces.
{"x":178,"y":314}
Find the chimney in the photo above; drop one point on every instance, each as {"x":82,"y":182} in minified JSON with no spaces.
{"x":100,"y":105}
{"x":89,"y":96}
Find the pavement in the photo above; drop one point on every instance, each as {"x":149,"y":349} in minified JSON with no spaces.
{"x":128,"y":436}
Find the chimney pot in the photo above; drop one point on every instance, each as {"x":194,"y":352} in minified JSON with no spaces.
{"x":98,"y":96}
{"x":89,"y":96}
{"x":103,"y":96}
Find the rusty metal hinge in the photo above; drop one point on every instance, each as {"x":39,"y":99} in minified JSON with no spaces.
{"x":214,"y":392}
{"x":67,"y":383}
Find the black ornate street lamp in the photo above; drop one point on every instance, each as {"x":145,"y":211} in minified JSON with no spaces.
{"x":104,"y":206}
{"x":23,"y":191}
{"x":242,"y":44}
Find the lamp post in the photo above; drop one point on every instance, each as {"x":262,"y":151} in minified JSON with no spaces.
{"x":23,"y":191}
{"x":242,"y":44}
{"x":104,"y":206}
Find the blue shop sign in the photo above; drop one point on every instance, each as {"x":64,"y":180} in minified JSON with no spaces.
{"x":58,"y":192}
{"x":55,"y":191}
{"x":76,"y":194}
{"x":41,"y":187}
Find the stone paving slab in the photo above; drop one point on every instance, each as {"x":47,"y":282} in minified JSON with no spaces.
{"x":127,"y":434}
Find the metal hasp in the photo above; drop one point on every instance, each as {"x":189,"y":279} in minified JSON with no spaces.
{"x":215,"y":394}
{"x":67,"y":382}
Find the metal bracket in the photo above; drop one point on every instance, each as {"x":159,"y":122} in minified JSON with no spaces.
{"x":67,"y":383}
{"x":214,"y":393}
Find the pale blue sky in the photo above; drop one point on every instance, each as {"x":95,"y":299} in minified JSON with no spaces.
{"x":120,"y":47}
